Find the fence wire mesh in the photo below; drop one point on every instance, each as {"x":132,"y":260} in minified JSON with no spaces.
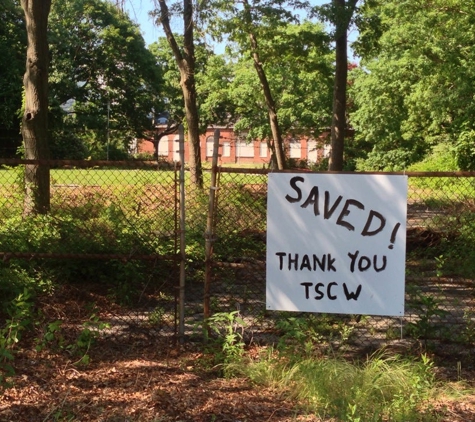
{"x":440,"y":269}
{"x":109,"y":241}
{"x":110,"y":245}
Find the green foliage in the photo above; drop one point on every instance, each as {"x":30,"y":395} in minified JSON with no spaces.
{"x":442,"y":158}
{"x":380,"y":389}
{"x":454,"y":252}
{"x":395,"y":160}
{"x":67,"y":145}
{"x":104,"y":83}
{"x":311,"y":335}
{"x":13,"y":281}
{"x":20,"y":319}
{"x":229,"y":343}
{"x":413,"y":90}
{"x":87,"y":336}
{"x":50,"y":334}
{"x":427,"y":308}
{"x":104,"y":231}
{"x":12,"y":68}
{"x":302,"y":80}
{"x":465,"y":150}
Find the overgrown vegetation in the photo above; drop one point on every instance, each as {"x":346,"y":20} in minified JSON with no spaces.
{"x":381,"y":388}
{"x":378,"y":389}
{"x":307,"y":362}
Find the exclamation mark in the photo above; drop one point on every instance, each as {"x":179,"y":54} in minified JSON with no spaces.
{"x":393,"y":235}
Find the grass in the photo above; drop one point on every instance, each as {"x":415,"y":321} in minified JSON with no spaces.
{"x":95,"y":177}
{"x":120,"y":177}
{"x":435,"y":189}
{"x":383,"y":388}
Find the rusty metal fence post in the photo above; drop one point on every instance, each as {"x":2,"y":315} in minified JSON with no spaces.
{"x":181,"y":304}
{"x":209,"y":234}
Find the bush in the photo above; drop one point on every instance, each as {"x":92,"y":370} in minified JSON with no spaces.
{"x":442,"y":158}
{"x":465,"y":150}
{"x":395,"y":160}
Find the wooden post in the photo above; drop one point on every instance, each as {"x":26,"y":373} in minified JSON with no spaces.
{"x":181,"y":304}
{"x":209,"y":234}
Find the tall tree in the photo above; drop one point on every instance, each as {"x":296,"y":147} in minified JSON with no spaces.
{"x":212,"y":75}
{"x":299,"y":66}
{"x":101,"y":76}
{"x":185,"y":60}
{"x":415,"y":88}
{"x":35,"y":115}
{"x":246,"y":23}
{"x":12,"y":46}
{"x":339,"y":13}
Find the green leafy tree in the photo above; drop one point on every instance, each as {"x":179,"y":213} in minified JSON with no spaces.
{"x":299,"y":67}
{"x":217,"y":105}
{"x":340,"y":14}
{"x":185,"y":59}
{"x":213,"y":75}
{"x":415,"y":89}
{"x":105,"y":85}
{"x":12,"y":46}
{"x":248,"y":24}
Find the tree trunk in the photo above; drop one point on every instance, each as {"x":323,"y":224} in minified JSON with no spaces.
{"x":338,"y":128}
{"x":278,"y":144}
{"x":339,"y":105}
{"x":186,"y":65}
{"x":35,"y":116}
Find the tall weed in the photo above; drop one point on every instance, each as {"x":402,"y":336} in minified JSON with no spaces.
{"x":380,"y":389}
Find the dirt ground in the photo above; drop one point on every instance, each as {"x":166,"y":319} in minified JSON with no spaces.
{"x":146,"y":380}
{"x":145,"y":384}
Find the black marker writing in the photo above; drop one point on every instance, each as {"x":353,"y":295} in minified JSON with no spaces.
{"x":330,"y":291}
{"x":311,"y":262}
{"x":349,"y":214}
{"x":364,"y":263}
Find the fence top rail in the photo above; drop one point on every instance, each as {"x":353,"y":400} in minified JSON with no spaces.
{"x":81,"y":163}
{"x":153,"y":164}
{"x":402,"y":173}
{"x":5,"y":256}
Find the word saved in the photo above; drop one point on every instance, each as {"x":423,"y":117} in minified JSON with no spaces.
{"x":329,"y":290}
{"x":348,"y":212}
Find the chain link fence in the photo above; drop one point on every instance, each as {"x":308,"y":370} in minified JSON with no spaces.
{"x":110,"y":246}
{"x":440,"y":269}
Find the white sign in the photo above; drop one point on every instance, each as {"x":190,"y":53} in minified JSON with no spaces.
{"x":336,"y":243}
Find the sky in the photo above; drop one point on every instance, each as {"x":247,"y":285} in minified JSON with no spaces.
{"x":139,"y":12}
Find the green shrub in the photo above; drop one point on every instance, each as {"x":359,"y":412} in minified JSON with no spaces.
{"x":20,"y":318}
{"x":442,"y":158}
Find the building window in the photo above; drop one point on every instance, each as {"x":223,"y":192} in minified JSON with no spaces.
{"x":226,"y":149}
{"x":312,"y":154}
{"x":263,"y":150}
{"x":176,"y":149}
{"x":244,"y":149}
{"x":295,"y":149}
{"x":209,"y":146}
{"x":163,"y":147}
